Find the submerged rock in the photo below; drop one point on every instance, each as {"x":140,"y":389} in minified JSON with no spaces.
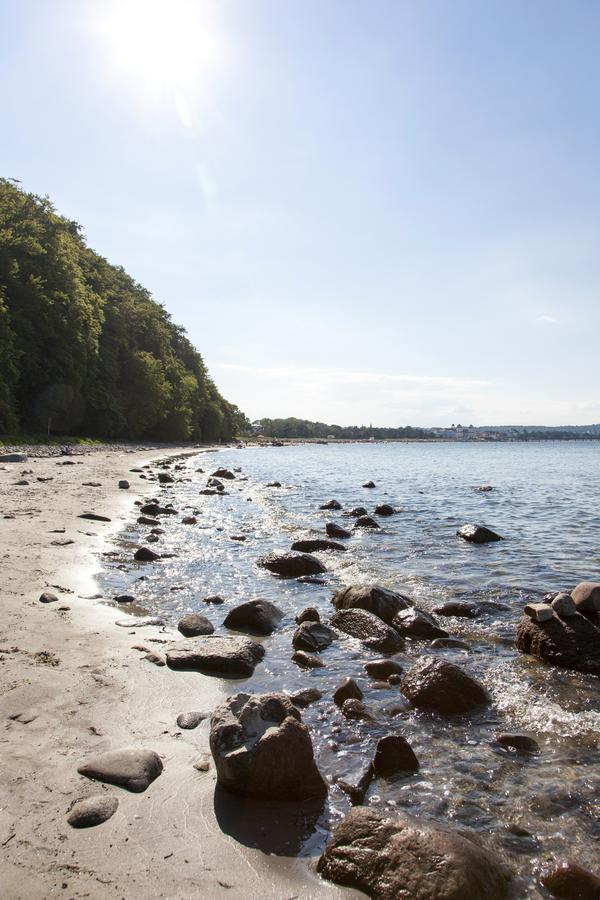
{"x":331,"y":504}
{"x":384,"y":509}
{"x":262,"y":749}
{"x":356,"y":512}
{"x":368,"y":628}
{"x":519,"y":742}
{"x":130,"y":768}
{"x":383,"y":668}
{"x":394,"y":755}
{"x":145,"y":554}
{"x":404,"y":857}
{"x":254,"y":617}
{"x":311,"y":636}
{"x":477,"y":534}
{"x":416,"y":623}
{"x":223,"y":473}
{"x":366,"y":522}
{"x":347,"y":690}
{"x":307,"y":660}
{"x":443,"y":687}
{"x":369,"y":484}
{"x":458,"y":609}
{"x":291,"y":565}
{"x":570,"y":881}
{"x":336,"y":531}
{"x":231,"y":657}
{"x":571,"y":643}
{"x":194,"y":625}
{"x":313,"y":546}
{"x":306,"y":697}
{"x":92,"y":811}
{"x":374,"y":599}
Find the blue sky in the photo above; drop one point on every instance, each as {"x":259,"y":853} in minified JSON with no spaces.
{"x":379,"y":212}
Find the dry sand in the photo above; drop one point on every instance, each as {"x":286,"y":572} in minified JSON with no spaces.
{"x":71,"y":685}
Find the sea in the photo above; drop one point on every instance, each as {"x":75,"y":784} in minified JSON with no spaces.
{"x":544,"y":502}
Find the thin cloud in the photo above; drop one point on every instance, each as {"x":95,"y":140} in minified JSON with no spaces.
{"x":547,"y":320}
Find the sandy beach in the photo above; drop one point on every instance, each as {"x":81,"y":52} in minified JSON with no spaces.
{"x":71,"y":685}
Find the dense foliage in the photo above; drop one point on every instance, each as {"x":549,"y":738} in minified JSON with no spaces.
{"x":85,"y":347}
{"x":302,"y":428}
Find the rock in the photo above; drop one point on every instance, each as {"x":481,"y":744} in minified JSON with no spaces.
{"x":331,"y":504}
{"x":353,"y":708}
{"x":92,"y":811}
{"x":443,"y":687}
{"x":147,"y":520}
{"x":399,"y":856}
{"x":232,"y":657}
{"x":356,"y":512}
{"x":94,"y":517}
{"x":223,"y":473}
{"x":152,"y":538}
{"x":383,"y":668}
{"x":366,"y":522}
{"x":395,"y":679}
{"x":130,"y":768}
{"x":306,"y":697}
{"x":208,"y":492}
{"x":262,"y":749}
{"x":48,"y":597}
{"x":165,"y":478}
{"x":374,"y":599}
{"x":313,"y":546}
{"x":368,"y":628}
{"x":571,"y":643}
{"x":215,"y":483}
{"x":157,"y":659}
{"x":458,"y":609}
{"x":477,"y":534}
{"x":484,"y":488}
{"x":238,"y":537}
{"x":336,"y":531}
{"x":275,"y":484}
{"x":358,"y":787}
{"x":154,"y":509}
{"x":13,"y":458}
{"x":202,"y":764}
{"x":448,"y":643}
{"x":254,"y":617}
{"x":311,"y":636}
{"x":216,"y":600}
{"x":570,"y":881}
{"x":369,"y":484}
{"x":193,"y":625}
{"x":384,"y":509}
{"x":310,"y":614}
{"x":311,"y":579}
{"x":539,"y":612}
{"x":125,"y":598}
{"x":347,"y":690}
{"x":138,"y":622}
{"x":564,"y":605}
{"x":307,"y":660}
{"x":124,"y":484}
{"x":586,"y":596}
{"x":291,"y":565}
{"x":189,"y":520}
{"x":520,"y":742}
{"x":145,"y":554}
{"x":416,"y":623}
{"x":189,"y":720}
{"x":393,"y":755}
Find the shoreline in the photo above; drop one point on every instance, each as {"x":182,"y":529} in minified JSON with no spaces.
{"x":72,"y":686}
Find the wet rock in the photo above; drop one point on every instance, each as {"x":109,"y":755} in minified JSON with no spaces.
{"x":366,"y":522}
{"x":368,"y":628}
{"x":458,"y":609}
{"x":48,"y":597}
{"x":416,"y":623}
{"x":310,"y":614}
{"x":307,"y":660}
{"x":383,"y":668}
{"x":311,"y":636}
{"x":443,"y":687}
{"x":208,"y":492}
{"x":223,"y":473}
{"x":92,"y":811}
{"x":336,"y":531}
{"x":564,"y":605}
{"x":232,"y":657}
{"x":347,"y":690}
{"x":331,"y":504}
{"x":145,"y":554}
{"x":306,"y":697}
{"x":147,"y":520}
{"x":152,"y":539}
{"x":399,"y":856}
{"x":394,"y":755}
{"x":539,"y":612}
{"x":448,"y":643}
{"x":291,"y":565}
{"x":311,"y":579}
{"x":262,"y":749}
{"x":215,"y":483}
{"x":130,"y":768}
{"x":155,"y":509}
{"x":254,"y":617}
{"x":358,"y":787}
{"x":313,"y":546}
{"x":165,"y":478}
{"x":215,"y":600}
{"x":13,"y":458}
{"x":189,"y":520}
{"x":384,"y":509}
{"x":275,"y":484}
{"x":353,"y":708}
{"x":189,"y":720}
{"x":193,"y":625}
{"x":22,"y":482}
{"x":395,"y":679}
{"x":586,"y":596}
{"x":369,"y":484}
{"x":477,"y":534}
{"x":571,"y":643}
{"x":124,"y":484}
{"x":484,"y":488}
{"x":94,"y":517}
{"x":374,"y":599}
{"x":519,"y":742}
{"x":570,"y":881}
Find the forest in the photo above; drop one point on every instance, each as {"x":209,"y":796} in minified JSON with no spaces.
{"x":85,"y":349}
{"x":302,"y":428}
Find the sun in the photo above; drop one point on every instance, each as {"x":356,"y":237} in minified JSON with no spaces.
{"x":164,"y":43}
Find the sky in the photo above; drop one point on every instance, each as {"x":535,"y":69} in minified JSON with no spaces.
{"x":361,"y":212}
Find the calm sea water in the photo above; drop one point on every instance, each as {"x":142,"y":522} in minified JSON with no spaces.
{"x":545,"y":504}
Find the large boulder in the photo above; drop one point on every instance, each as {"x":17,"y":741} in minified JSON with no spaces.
{"x":375,"y":599}
{"x":400,"y":856}
{"x":586,"y":596}
{"x":254,"y":617}
{"x":336,"y":531}
{"x":194,"y":625}
{"x":443,"y":687}
{"x":366,"y":522}
{"x":394,"y":755}
{"x":477,"y":534}
{"x":291,"y":565}
{"x":230,"y":657}
{"x":571,"y":643}
{"x":262,"y":749}
{"x":368,"y":628}
{"x":311,"y":636}
{"x":316,"y":544}
{"x":130,"y":768}
{"x":416,"y":623}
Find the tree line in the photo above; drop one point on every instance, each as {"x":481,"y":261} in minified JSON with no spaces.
{"x":84,"y":347}
{"x":302,"y":428}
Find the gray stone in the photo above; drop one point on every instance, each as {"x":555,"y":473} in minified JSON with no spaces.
{"x":477,"y":534}
{"x":586,"y":596}
{"x":539,"y":612}
{"x":130,"y":768}
{"x":571,"y":643}
{"x":254,"y":617}
{"x":139,"y":622}
{"x":368,"y":628}
{"x":311,"y":636}
{"x":416,"y":623}
{"x":564,"y":605}
{"x":231,"y":657}
{"x":189,"y":720}
{"x":443,"y":687}
{"x":194,"y":624}
{"x":291,"y":565}
{"x":92,"y":811}
{"x":13,"y":458}
{"x":374,"y":599}
{"x":48,"y":597}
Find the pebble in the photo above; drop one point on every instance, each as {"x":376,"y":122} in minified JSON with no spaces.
{"x":189,"y":720}
{"x":92,"y":811}
{"x":48,"y":597}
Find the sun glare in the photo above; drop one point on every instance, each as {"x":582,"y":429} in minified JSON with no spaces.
{"x":164,"y":43}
